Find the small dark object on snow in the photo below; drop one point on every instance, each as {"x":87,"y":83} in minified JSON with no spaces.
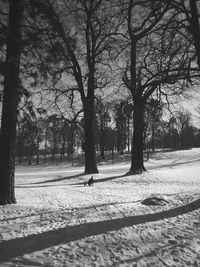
{"x":89,"y":182}
{"x":154,"y":201}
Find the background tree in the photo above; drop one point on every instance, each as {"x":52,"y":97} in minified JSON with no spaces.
{"x":153,"y":116}
{"x":103,"y":118}
{"x":185,"y":129}
{"x":172,"y":135}
{"x":63,"y":137}
{"x":122,"y":117}
{"x":128,"y":111}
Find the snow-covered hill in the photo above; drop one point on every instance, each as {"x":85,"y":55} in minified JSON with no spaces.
{"x":59,"y":222}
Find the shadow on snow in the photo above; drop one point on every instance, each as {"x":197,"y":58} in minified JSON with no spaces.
{"x":105,"y":179}
{"x":60,"y":178}
{"x":17,"y":247}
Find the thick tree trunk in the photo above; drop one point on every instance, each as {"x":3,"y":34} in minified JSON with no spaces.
{"x":10,"y":103}
{"x":89,"y":144}
{"x":137,"y":163}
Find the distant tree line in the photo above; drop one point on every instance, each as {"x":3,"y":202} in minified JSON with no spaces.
{"x":52,"y":139}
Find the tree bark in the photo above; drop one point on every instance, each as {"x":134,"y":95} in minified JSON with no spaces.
{"x":10,"y":103}
{"x":137,"y":162}
{"x":89,"y":144}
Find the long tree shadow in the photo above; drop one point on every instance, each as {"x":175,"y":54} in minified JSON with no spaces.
{"x":173,"y":164}
{"x":39,"y":186}
{"x":61,"y":179}
{"x":105,"y":179}
{"x":17,"y":247}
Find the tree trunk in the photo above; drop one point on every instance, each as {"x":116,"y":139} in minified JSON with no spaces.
{"x":45,"y":146}
{"x":10,"y":103}
{"x":38,"y":150}
{"x":30,"y":154}
{"x":137,"y":163}
{"x":89,"y":145}
{"x":62,"y":150}
{"x":53,"y":152}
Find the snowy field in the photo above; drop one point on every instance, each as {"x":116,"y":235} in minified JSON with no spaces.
{"x":59,"y":222}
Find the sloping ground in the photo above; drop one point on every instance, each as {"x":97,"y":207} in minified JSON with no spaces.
{"x":60,"y":222}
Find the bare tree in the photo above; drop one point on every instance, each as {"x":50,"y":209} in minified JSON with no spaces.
{"x":85,"y":33}
{"x":157,"y":61}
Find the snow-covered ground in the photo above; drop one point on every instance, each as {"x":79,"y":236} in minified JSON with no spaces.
{"x":59,"y":222}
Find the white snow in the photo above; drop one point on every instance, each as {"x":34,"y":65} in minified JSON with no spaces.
{"x":59,"y":222}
